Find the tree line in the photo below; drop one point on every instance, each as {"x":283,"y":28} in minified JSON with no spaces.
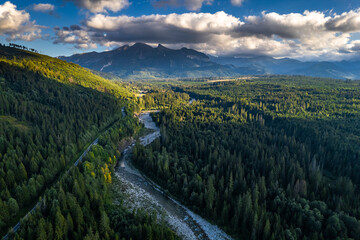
{"x":13,"y":45}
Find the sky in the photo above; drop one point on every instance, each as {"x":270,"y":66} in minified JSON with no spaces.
{"x":300,"y":29}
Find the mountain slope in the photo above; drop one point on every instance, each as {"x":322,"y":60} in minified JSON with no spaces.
{"x":62,"y":71}
{"x":326,"y":69}
{"x":266,"y":64}
{"x":288,"y":66}
{"x":143,"y":61}
{"x":49,"y":111}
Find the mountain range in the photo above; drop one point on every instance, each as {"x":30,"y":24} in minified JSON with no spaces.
{"x":141,"y":61}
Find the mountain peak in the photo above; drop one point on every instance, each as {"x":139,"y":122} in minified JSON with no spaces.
{"x":127,"y":60}
{"x":161,"y":46}
{"x":140,"y":45}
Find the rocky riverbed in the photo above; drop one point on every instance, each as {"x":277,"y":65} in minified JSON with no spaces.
{"x":141,"y":192}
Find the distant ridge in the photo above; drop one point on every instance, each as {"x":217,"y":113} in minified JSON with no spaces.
{"x":141,"y":61}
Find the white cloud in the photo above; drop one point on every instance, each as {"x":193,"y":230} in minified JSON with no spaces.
{"x":43,"y":7}
{"x":346,"y":22}
{"x":16,"y":24}
{"x":216,"y":22}
{"x":237,"y":2}
{"x":311,"y":34}
{"x":97,"y":6}
{"x":293,"y":25}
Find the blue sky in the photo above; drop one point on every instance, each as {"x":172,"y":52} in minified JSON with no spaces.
{"x":307,"y":29}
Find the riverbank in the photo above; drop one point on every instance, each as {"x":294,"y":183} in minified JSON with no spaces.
{"x":141,"y":192}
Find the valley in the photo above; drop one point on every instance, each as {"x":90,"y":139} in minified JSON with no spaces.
{"x":144,"y":141}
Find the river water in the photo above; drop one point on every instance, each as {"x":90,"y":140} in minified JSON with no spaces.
{"x":192,"y":100}
{"x":143,"y":193}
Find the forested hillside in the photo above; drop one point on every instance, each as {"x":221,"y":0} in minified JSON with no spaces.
{"x":50,"y":111}
{"x":61,"y":71}
{"x":81,"y":206}
{"x":266,"y":158}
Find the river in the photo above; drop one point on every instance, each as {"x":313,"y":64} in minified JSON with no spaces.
{"x":141,"y":192}
{"x":192,"y":100}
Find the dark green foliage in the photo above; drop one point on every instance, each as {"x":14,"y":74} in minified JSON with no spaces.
{"x":270,"y":158}
{"x":80,"y":205}
{"x":49,"y":111}
{"x":44,"y":125}
{"x":138,"y":225}
{"x":160,"y":98}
